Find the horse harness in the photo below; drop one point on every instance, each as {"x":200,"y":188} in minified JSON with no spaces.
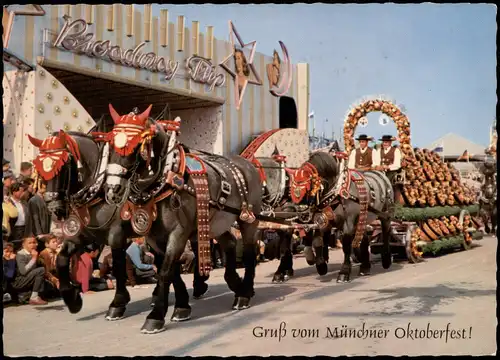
{"x":178,"y":166}
{"x":86,"y":198}
{"x":340,"y":192}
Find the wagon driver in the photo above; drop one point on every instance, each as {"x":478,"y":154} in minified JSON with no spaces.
{"x":362,"y":157}
{"x":388,"y":158}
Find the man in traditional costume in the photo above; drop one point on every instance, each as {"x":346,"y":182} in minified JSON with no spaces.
{"x":388,"y":157}
{"x":362,"y":157}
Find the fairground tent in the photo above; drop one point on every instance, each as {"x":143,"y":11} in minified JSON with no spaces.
{"x":453,"y":146}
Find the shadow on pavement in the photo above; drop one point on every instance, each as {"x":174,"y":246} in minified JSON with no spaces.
{"x":328,"y":290}
{"x":218,"y":301}
{"x":211,"y":306}
{"x":428,"y":298}
{"x":376,"y":268}
{"x":51,"y":307}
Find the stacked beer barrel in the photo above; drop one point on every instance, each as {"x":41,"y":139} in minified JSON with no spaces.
{"x":442,"y":209}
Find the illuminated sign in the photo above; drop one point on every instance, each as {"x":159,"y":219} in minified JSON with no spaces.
{"x":75,"y":37}
{"x":203,"y":71}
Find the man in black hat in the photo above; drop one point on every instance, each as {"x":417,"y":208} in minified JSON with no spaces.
{"x":388,"y":158}
{"x":362,"y":157}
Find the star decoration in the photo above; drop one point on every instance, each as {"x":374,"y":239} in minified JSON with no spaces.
{"x":243,"y":79}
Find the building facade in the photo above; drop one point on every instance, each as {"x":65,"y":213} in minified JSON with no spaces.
{"x":65,"y":63}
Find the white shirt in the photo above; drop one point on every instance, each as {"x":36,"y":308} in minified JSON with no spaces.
{"x":352,"y":157}
{"x":21,"y":218}
{"x":377,"y":158}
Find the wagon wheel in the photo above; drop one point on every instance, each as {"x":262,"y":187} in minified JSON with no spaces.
{"x":466,"y":244}
{"x":413,"y":255}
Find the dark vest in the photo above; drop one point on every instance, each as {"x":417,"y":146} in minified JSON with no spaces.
{"x":363,"y":160}
{"x":387,"y":159}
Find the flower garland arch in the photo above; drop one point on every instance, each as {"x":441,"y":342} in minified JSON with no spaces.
{"x":388,"y":108}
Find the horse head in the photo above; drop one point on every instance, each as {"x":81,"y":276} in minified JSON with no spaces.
{"x":320,"y":170}
{"x":57,"y":164}
{"x":133,"y":139}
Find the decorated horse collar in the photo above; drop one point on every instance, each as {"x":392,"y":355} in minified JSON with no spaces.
{"x":54,"y":153}
{"x":304,"y":181}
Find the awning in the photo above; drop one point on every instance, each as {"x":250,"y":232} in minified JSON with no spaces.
{"x":16,"y":60}
{"x":95,"y":90}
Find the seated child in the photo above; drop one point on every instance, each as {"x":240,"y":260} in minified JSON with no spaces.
{"x":144,"y":269}
{"x":9,"y":270}
{"x":82,"y":270}
{"x":48,"y":258}
{"x":30,"y":276}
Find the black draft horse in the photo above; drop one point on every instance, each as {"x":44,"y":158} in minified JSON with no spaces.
{"x":133,"y":174}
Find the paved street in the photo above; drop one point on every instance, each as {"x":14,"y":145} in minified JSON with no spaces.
{"x":450,"y":298}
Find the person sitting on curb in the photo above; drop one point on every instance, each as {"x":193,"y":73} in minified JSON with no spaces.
{"x":30,"y":277}
{"x":106,"y":263}
{"x":142,"y":272}
{"x":48,"y":257}
{"x":9,"y":271}
{"x":187,"y":259}
{"x":82,"y":270}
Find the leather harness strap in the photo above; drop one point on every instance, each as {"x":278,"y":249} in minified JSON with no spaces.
{"x":200,"y":182}
{"x":363,"y":198}
{"x":225,"y":188}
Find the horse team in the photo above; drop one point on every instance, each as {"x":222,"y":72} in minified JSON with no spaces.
{"x":138,"y":180}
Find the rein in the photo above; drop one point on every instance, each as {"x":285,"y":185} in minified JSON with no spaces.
{"x":134,"y":173}
{"x":97,"y":201}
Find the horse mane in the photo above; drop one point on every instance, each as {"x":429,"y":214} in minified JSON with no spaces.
{"x":326,"y":165}
{"x":104,"y":124}
{"x":80,"y":134}
{"x":160,"y":140}
{"x":90,"y":163}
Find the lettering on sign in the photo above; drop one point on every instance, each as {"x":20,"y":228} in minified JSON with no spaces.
{"x":74,"y":37}
{"x":203,"y":71}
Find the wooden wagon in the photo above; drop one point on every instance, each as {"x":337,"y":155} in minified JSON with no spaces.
{"x":434,"y":211}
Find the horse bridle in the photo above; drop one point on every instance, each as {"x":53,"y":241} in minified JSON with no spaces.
{"x":52,"y":195}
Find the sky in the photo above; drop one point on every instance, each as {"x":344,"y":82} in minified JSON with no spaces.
{"x":437,"y":60}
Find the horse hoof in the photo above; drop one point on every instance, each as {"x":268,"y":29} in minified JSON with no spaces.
{"x":73,"y":300}
{"x":278,"y":278}
{"x":181,"y":314}
{"x":198,"y":294}
{"x":343,"y":278}
{"x":115,"y":313}
{"x":309,"y":255}
{"x":241,"y":303}
{"x":289,"y":273}
{"x":365,"y":272}
{"x":322,"y":268}
{"x":386,"y":261}
{"x":153,"y":326}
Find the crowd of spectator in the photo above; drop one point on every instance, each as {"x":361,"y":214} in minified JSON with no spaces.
{"x":32,"y":240}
